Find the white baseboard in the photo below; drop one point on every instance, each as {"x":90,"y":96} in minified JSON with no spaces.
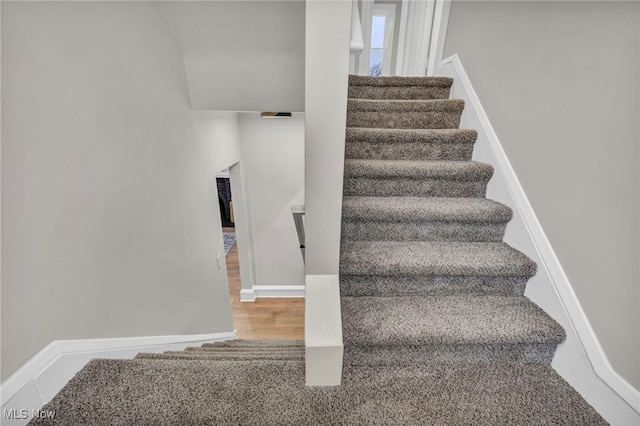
{"x":271,"y":291}
{"x":37,"y":381}
{"x":580,"y":360}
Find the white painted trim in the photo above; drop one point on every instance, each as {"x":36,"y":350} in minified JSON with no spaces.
{"x":596,"y":380}
{"x":416,"y":20}
{"x":357,"y":41}
{"x":402,"y":37}
{"x":323,"y":331}
{"x":271,"y":292}
{"x":45,"y":360}
{"x":438,"y":34}
{"x":366,"y":18}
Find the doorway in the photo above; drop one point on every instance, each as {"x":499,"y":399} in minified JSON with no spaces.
{"x":229,"y":237}
{"x":261,"y":318}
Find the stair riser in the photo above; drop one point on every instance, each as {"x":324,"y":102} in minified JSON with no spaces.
{"x":405,"y":187}
{"x":244,"y":344}
{"x":408,"y":151}
{"x":220,"y":357}
{"x":470,"y":354}
{"x":398,"y":92}
{"x":389,"y":286}
{"x":224,"y":353}
{"x":421,"y":231}
{"x":404,"y":120}
{"x":246,"y":351}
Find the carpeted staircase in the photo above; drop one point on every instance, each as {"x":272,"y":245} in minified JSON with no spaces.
{"x":425,"y":278}
{"x":424,"y":274}
{"x":435,"y":324}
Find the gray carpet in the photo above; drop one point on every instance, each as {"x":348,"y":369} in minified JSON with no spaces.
{"x":425,"y":278}
{"x":200,"y":391}
{"x":436,"y":326}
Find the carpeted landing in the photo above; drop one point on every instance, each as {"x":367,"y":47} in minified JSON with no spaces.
{"x":436,"y":326}
{"x":262,"y":383}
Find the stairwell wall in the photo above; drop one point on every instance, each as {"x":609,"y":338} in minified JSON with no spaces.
{"x":109,"y":213}
{"x":272,"y":152}
{"x":559,"y":81}
{"x":254,"y":48}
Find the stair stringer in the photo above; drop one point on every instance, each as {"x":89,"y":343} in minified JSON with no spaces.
{"x":580,"y":360}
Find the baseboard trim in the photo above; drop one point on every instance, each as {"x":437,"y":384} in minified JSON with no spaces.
{"x":44,"y":361}
{"x":271,"y":292}
{"x":600,"y":385}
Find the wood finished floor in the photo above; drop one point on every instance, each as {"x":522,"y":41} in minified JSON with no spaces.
{"x":264,"y":319}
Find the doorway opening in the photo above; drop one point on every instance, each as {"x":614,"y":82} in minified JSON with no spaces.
{"x":229,"y":238}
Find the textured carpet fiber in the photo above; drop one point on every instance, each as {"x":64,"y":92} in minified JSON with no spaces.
{"x":425,"y":278}
{"x":218,"y":392}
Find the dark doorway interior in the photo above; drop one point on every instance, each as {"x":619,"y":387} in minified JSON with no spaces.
{"x":226,"y":203}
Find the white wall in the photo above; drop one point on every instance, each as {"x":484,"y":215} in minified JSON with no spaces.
{"x":241,"y":55}
{"x":326,"y":77}
{"x":559,"y":82}
{"x":243,"y":224}
{"x":273,"y":172}
{"x":109,"y":214}
{"x":219,"y":130}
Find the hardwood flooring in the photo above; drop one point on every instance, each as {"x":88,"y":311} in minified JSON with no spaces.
{"x":264,"y":319}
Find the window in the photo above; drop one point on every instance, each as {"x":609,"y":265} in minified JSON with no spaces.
{"x":377,"y":45}
{"x":380,"y":55}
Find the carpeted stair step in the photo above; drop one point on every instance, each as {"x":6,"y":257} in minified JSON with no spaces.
{"x":384,"y":178}
{"x":422,"y":114}
{"x":409,"y":144}
{"x":222,"y":356}
{"x":148,"y":392}
{"x":398,"y":268}
{"x":243,"y":343}
{"x":448,"y":330}
{"x":365,"y":87}
{"x":423,"y":218}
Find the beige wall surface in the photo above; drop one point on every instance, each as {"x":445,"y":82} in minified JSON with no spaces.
{"x":110,"y":222}
{"x":560,"y":84}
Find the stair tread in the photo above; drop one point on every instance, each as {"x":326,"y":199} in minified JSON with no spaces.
{"x":404,"y":105}
{"x":173,"y":392}
{"x":388,"y":258}
{"x":361,"y":80}
{"x":446,"y":320}
{"x":382,"y":135}
{"x":399,"y":209}
{"x":454,"y":170}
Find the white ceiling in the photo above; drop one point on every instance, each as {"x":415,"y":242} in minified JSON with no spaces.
{"x":241,"y":55}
